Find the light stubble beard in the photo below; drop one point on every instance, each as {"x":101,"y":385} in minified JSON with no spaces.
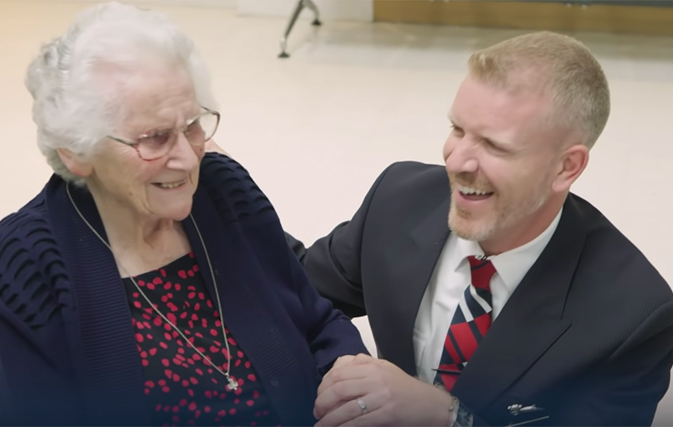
{"x":459,"y":219}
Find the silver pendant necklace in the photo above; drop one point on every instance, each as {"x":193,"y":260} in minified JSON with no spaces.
{"x":231,"y":383}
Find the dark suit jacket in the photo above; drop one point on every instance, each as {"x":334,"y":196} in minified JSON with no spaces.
{"x":587,"y":335}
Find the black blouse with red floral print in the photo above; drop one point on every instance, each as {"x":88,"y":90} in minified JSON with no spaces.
{"x":182,"y":388}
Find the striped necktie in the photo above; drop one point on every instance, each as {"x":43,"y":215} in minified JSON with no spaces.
{"x":469,"y":325}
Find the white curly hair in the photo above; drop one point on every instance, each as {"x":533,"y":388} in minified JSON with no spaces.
{"x":70,"y":108}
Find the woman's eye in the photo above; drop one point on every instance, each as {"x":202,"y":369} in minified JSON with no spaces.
{"x":457,"y":131}
{"x":193,"y":128}
{"x":156,"y":139}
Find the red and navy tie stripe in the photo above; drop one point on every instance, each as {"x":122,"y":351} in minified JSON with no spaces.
{"x":469,"y":325}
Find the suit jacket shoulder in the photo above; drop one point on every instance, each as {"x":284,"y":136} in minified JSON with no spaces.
{"x":612,"y":268}
{"x":414,"y":184}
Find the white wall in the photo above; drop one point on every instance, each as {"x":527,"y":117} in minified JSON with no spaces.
{"x":330,"y":10}
{"x":228,"y":4}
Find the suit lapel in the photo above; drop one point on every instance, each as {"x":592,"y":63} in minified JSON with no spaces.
{"x":531,"y":321}
{"x":428,"y":241}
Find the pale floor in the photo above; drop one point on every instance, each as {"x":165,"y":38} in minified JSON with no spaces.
{"x":316,"y":130}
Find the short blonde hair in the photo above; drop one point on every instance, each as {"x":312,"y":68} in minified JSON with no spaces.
{"x":551,"y":63}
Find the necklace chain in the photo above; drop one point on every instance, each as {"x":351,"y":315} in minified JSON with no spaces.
{"x":232,"y":383}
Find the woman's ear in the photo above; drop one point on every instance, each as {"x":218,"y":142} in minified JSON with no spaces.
{"x":75,"y":163}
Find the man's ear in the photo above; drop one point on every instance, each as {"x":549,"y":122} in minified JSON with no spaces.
{"x":75,"y":163}
{"x":573,"y":162}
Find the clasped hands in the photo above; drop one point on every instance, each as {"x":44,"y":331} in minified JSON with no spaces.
{"x":364,"y":391}
{"x":361,"y":390}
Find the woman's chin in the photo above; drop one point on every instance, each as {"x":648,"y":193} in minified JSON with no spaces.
{"x":177,"y":213}
{"x":176,"y":207}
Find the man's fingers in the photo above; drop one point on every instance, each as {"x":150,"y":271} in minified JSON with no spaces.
{"x":339,"y":393}
{"x":351,"y":360}
{"x":363,"y":359}
{"x":374,"y":418}
{"x":351,"y":413}
{"x":343,"y":360}
{"x":342,"y":415}
{"x":350,"y":371}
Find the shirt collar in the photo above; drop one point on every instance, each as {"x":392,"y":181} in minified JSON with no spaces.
{"x":512,"y":265}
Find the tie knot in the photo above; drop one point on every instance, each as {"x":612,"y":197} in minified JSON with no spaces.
{"x":482,"y":271}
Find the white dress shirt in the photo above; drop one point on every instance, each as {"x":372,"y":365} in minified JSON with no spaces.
{"x":450,"y":278}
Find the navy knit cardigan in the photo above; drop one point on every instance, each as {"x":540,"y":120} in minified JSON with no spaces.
{"x":67,"y":349}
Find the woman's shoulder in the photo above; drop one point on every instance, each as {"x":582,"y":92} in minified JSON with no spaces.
{"x":29,"y":260}
{"x":229,"y":182}
{"x":32,"y":216}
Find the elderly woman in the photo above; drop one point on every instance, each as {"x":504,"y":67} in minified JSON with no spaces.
{"x":150,"y":283}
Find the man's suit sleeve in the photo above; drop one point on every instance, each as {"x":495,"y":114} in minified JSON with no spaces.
{"x":297,"y":247}
{"x":333,"y":262}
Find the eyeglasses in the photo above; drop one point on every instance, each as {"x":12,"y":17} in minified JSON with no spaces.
{"x":157,"y":144}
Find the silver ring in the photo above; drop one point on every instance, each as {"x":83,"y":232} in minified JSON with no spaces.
{"x":363,"y":406}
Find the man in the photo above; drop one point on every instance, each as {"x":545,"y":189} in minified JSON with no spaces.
{"x":529,"y":306}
